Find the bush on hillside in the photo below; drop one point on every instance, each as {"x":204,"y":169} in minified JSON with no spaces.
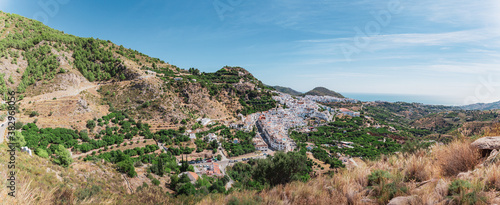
{"x":458,"y":157}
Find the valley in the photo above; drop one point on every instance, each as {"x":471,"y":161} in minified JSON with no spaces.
{"x":108,"y":124}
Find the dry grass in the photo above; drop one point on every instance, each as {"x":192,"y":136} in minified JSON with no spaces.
{"x":426,"y":176}
{"x":493,"y":130}
{"x":457,"y":157}
{"x":492,"y":177}
{"x":418,"y":168}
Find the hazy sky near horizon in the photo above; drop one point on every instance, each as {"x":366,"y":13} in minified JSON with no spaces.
{"x":446,"y":48}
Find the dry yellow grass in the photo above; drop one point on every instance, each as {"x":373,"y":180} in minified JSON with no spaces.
{"x":424,"y":174}
{"x":494,"y":130}
{"x":457,"y":157}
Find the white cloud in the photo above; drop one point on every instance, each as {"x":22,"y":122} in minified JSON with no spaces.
{"x":447,"y":68}
{"x":474,"y":39}
{"x":455,"y":12}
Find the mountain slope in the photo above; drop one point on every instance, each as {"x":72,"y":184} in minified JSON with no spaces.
{"x":482,"y":106}
{"x":49,"y":68}
{"x":322,"y":91}
{"x":286,"y":90}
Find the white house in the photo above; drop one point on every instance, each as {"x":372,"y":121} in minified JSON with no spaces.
{"x":205,"y":121}
{"x":211,"y":137}
{"x":26,"y":149}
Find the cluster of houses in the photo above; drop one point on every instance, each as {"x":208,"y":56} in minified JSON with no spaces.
{"x":346,"y":111}
{"x":259,"y":143}
{"x":212,"y":170}
{"x":328,"y":99}
{"x":275,"y":123}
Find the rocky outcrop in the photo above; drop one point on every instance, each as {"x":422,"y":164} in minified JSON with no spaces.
{"x":487,"y":143}
{"x":83,"y":106}
{"x":402,"y":200}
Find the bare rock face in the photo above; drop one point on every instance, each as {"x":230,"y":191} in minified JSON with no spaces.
{"x":487,"y":143}
{"x":68,"y":80}
{"x":83,"y":106}
{"x":492,"y":158}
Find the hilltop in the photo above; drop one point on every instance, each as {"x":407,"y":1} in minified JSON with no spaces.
{"x":87,"y":105}
{"x":322,"y":91}
{"x":64,"y":80}
{"x":482,"y":106}
{"x":286,"y":90}
{"x":319,"y":91}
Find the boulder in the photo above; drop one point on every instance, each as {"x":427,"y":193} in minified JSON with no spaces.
{"x":492,"y":158}
{"x":487,"y":143}
{"x":465,"y":175}
{"x":402,"y":200}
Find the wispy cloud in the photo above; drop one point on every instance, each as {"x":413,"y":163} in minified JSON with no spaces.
{"x":334,"y":75}
{"x":457,"y":12}
{"x":395,"y":41}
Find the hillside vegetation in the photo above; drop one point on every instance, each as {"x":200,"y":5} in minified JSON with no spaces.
{"x":286,"y":90}
{"x":432,"y":176}
{"x":44,"y":64}
{"x":109,"y":125}
{"x":428,"y":176}
{"x":322,"y":91}
{"x":482,"y":106}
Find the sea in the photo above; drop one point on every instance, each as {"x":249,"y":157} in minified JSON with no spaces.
{"x":424,"y":99}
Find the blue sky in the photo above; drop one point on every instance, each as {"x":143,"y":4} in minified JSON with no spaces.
{"x":446,"y":48}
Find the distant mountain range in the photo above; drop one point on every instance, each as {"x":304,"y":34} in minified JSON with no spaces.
{"x":321,"y":91}
{"x":286,"y":90}
{"x":482,"y":106}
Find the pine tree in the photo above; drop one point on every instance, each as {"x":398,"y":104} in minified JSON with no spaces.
{"x":161,"y":169}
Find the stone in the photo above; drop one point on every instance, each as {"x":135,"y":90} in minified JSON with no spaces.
{"x":401,"y":200}
{"x":487,"y":143}
{"x":492,"y":157}
{"x":368,"y":201}
{"x":465,"y":175}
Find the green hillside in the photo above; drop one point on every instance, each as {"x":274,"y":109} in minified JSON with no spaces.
{"x":286,"y":90}
{"x":322,"y":91}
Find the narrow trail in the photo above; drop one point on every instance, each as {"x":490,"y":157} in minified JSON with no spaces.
{"x":60,"y":94}
{"x":128,"y":183}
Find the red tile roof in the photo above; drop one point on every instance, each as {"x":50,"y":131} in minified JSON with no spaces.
{"x":194,"y":175}
{"x":216,"y":169}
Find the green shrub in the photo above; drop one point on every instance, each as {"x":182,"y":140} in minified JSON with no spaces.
{"x":42,"y":153}
{"x":462,"y":192}
{"x":34,"y":114}
{"x":385,"y":187}
{"x":155,"y":182}
{"x":378,"y":177}
{"x":458,"y":186}
{"x":88,"y":192}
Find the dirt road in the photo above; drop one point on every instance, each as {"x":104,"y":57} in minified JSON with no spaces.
{"x":60,"y":94}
